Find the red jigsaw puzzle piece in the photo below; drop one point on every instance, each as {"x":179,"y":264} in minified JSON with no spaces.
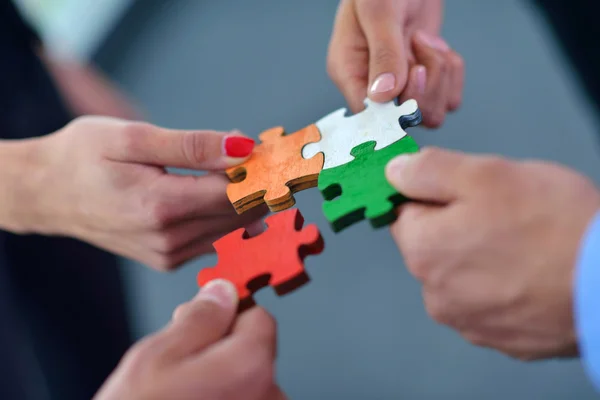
{"x":274,"y":257}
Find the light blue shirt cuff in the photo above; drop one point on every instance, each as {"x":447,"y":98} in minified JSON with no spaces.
{"x":587,"y":300}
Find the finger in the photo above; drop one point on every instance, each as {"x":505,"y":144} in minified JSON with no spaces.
{"x":176,"y":198}
{"x":383,"y":25}
{"x":179,"y":236}
{"x":201,"y":322}
{"x":196,"y":248}
{"x":257,"y":325}
{"x":165,"y":258}
{"x":457,"y":77}
{"x":431,"y":175}
{"x":191,"y":149}
{"x":416,"y":85}
{"x":431,"y":52}
{"x":423,"y":234}
{"x":246,"y":357}
{"x":348,"y":57}
{"x":275,"y":393}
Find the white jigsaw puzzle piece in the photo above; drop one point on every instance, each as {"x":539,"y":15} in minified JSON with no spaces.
{"x":340,"y":134}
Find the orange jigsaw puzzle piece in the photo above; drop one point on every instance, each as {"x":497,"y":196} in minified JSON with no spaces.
{"x":274,"y":257}
{"x":275,"y":170}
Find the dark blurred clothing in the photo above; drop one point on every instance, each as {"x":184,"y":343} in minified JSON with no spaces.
{"x":576,"y":26}
{"x":63,"y":325}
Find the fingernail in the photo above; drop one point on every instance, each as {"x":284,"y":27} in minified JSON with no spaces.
{"x":396,"y":166}
{"x":220,"y":291}
{"x":421,"y":79}
{"x":237,"y":146}
{"x":383,"y":83}
{"x":421,"y":76}
{"x":435,"y":42}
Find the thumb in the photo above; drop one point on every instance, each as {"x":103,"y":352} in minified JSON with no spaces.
{"x":388,"y":48}
{"x":190,"y":149}
{"x":431,"y":175}
{"x":200,"y":322}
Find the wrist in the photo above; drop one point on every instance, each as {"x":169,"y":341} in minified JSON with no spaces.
{"x":19,"y":173}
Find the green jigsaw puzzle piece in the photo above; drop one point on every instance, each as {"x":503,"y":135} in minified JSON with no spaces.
{"x":359,"y":189}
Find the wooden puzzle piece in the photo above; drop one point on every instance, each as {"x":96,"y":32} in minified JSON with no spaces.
{"x":383,"y":123}
{"x":275,"y":171}
{"x":274,"y":257}
{"x":359,"y":189}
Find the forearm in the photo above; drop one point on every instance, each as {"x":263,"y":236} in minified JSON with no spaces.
{"x":587,"y":300}
{"x":18,"y":174}
{"x":86,"y":90}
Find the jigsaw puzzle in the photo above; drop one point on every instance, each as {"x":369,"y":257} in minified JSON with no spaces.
{"x":274,"y":257}
{"x":359,"y":189}
{"x":383,"y":123}
{"x":275,"y":171}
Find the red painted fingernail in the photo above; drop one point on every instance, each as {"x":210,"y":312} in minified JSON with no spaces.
{"x":238,"y":146}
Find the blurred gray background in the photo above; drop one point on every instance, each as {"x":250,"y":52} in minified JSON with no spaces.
{"x":358,"y":330}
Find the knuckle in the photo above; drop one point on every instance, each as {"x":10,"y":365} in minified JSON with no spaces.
{"x":373,"y":9}
{"x":267,"y":323}
{"x":165,"y":243}
{"x":201,"y":312}
{"x":132,"y":135}
{"x":436,"y":309}
{"x":332,"y":67}
{"x":438,"y":67}
{"x":427,"y":156}
{"x":158,"y":214}
{"x":455,"y":101}
{"x":144,"y":353}
{"x":180,"y":311}
{"x":491,"y":168}
{"x":384,"y":56}
{"x":443,"y":64}
{"x":417,"y":263}
{"x":456,"y":61}
{"x":475,"y":339}
{"x":435,"y":119}
{"x":163,"y":262}
{"x":194,"y":149}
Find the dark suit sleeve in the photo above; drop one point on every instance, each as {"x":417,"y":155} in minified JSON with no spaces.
{"x":15,"y":25}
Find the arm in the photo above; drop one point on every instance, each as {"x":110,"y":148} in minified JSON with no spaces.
{"x":86,"y":90}
{"x":587,"y":300}
{"x":17,"y":176}
{"x":82,"y":86}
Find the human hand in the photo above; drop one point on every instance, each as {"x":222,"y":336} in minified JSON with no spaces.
{"x":494,"y":243}
{"x":394,"y":48}
{"x":204,"y":353}
{"x":103,"y":180}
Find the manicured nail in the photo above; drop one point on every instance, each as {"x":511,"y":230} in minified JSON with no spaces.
{"x":435,"y":42}
{"x":383,"y":83}
{"x":237,"y":146}
{"x":220,"y":291}
{"x":421,"y":79}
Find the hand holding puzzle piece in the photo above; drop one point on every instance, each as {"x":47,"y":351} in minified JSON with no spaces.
{"x":346,"y":157}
